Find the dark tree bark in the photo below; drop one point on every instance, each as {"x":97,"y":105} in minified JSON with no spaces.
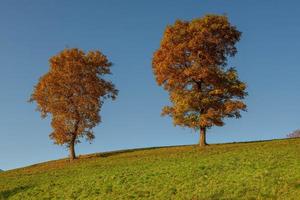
{"x":72,"y":148}
{"x":202,"y":141}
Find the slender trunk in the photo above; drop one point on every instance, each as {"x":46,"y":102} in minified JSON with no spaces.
{"x":202,"y":141}
{"x":72,"y":142}
{"x":72,"y":148}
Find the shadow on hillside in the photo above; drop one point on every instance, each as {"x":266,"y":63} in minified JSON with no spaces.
{"x":9,"y":193}
{"x":257,"y":141}
{"x":117,"y":152}
{"x":114,"y":153}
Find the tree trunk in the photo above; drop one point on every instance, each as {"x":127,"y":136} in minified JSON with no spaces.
{"x":202,"y":141}
{"x":72,"y":148}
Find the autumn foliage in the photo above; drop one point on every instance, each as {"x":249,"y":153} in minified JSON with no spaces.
{"x":294,"y":134}
{"x":72,"y":92}
{"x":191,"y":64}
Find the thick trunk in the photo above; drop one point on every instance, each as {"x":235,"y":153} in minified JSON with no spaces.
{"x":202,"y":141}
{"x":72,"y":148}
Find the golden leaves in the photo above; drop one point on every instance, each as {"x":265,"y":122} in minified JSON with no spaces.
{"x":190,"y":65}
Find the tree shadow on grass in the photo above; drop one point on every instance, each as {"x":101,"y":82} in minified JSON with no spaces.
{"x":9,"y":193}
{"x":297,"y":185}
{"x":117,"y":152}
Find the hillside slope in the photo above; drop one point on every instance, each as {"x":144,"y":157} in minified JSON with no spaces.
{"x":258,"y":170}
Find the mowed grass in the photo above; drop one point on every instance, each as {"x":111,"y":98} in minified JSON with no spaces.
{"x":257,"y":170}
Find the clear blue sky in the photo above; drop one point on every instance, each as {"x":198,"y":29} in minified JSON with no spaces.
{"x":128,"y":32}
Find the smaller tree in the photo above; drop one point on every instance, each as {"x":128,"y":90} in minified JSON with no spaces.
{"x":72,"y":92}
{"x":294,"y":134}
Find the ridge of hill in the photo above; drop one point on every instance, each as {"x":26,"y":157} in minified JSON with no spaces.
{"x":251,"y":170}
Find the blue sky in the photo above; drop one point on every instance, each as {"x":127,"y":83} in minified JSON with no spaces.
{"x":128,"y":32}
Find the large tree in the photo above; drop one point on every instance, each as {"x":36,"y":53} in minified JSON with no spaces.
{"x":72,"y":92}
{"x":191,"y":64}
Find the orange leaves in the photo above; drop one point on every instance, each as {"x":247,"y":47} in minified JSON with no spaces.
{"x":231,"y":106}
{"x":190,"y":65}
{"x":201,"y":43}
{"x":73,"y":92}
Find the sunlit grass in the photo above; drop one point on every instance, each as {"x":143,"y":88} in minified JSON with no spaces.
{"x":259,"y":170}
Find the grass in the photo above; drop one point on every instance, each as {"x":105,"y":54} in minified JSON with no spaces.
{"x":257,"y":170}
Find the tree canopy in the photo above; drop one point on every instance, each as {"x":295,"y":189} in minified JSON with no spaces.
{"x":294,"y":134}
{"x":191,"y":64}
{"x":72,"y":92}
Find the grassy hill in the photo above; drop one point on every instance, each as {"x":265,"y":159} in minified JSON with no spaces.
{"x":256,"y":170}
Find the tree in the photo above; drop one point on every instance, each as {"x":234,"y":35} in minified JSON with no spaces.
{"x":72,"y":92}
{"x":294,"y":134}
{"x":191,"y":64}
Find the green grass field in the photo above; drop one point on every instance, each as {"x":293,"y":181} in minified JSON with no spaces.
{"x":256,"y":170}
